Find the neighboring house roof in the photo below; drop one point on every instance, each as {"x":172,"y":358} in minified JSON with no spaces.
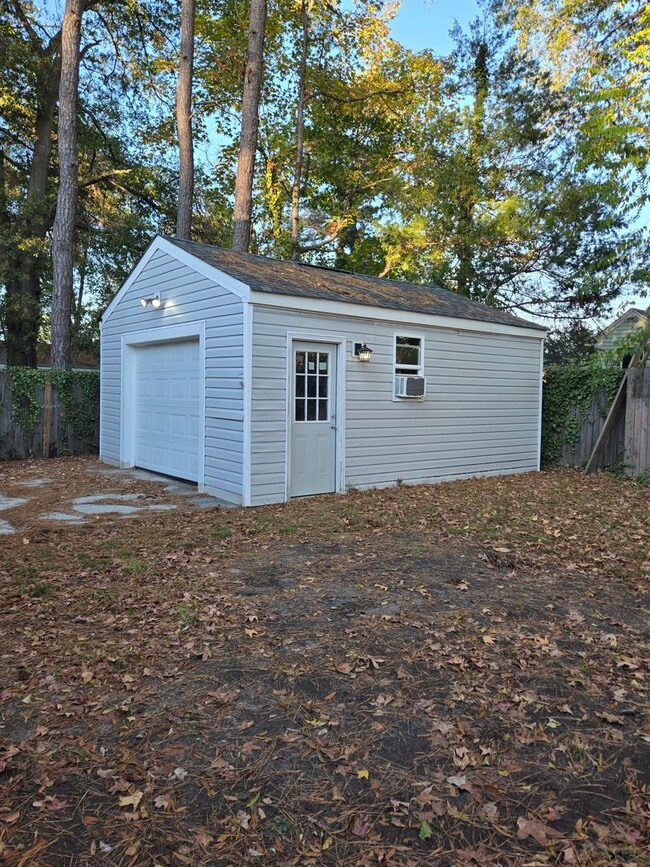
{"x":621,"y":327}
{"x":279,"y":277}
{"x":80,"y":360}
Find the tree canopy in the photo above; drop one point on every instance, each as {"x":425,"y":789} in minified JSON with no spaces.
{"x":513,"y":170}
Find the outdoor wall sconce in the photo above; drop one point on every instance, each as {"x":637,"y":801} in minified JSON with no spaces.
{"x":362,"y":352}
{"x":154,"y":300}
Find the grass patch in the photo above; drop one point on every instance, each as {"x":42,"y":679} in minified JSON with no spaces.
{"x":98,"y":564}
{"x":188,"y":612}
{"x":222,"y":533}
{"x":41,"y":590}
{"x":288,"y":530}
{"x":140,"y":567}
{"x":26,"y":573}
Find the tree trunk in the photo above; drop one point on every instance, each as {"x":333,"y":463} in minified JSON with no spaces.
{"x":300,"y":135}
{"x":78,"y":302}
{"x":184,"y":122}
{"x":25,"y":263}
{"x":465,"y":245}
{"x":249,"y":126}
{"x":66,"y":203}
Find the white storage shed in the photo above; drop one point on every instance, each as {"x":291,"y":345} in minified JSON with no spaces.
{"x":245,"y":375}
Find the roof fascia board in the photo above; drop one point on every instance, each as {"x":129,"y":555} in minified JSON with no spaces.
{"x":384,"y":314}
{"x":130,"y":280}
{"x":161,"y":244}
{"x":242,"y":290}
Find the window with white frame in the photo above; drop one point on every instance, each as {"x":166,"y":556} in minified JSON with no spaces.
{"x":409,"y":352}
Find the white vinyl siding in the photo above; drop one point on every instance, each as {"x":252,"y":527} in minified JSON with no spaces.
{"x":480,"y":415}
{"x":188,"y":297}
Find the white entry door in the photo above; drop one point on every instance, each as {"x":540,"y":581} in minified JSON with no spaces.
{"x":313,"y":419}
{"x":167,"y":408}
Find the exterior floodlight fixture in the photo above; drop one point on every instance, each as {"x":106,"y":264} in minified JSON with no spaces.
{"x":362,"y":352}
{"x":154,"y":300}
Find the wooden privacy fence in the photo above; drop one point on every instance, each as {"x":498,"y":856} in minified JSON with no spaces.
{"x":48,"y":413}
{"x":615,"y":437}
{"x":628,"y":419}
{"x":590,"y":422}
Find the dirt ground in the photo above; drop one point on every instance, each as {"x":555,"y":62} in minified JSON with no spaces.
{"x":443,"y":675}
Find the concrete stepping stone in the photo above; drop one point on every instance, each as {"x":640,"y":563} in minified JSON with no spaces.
{"x":206,"y":502}
{"x":6,"y":529}
{"x":119,"y":508}
{"x":104,"y":509}
{"x":97,"y":498}
{"x":11,"y":502}
{"x":32,"y":483}
{"x":183,"y":489}
{"x":63,"y":516}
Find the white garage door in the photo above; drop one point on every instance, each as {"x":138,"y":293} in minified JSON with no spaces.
{"x":167,"y":408}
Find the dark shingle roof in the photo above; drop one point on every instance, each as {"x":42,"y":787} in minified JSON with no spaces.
{"x":280,"y":277}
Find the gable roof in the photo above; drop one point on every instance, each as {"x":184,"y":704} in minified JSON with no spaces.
{"x":633,"y":314}
{"x":280,"y":277}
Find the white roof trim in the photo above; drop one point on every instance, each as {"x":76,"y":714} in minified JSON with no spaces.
{"x":242,"y":290}
{"x":383,"y":314}
{"x":162,"y":244}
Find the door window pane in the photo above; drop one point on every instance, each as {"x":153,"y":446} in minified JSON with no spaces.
{"x":311,"y":386}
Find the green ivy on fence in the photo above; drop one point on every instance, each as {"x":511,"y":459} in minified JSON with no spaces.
{"x":25,"y":409}
{"x":569,"y":391}
{"x":78,"y":391}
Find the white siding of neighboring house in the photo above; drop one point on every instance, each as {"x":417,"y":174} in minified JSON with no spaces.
{"x":480,"y":415}
{"x":189,"y":298}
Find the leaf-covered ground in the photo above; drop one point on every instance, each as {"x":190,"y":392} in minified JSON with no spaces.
{"x":438,"y":675}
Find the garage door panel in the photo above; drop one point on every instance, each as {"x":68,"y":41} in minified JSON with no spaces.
{"x":160,"y":423}
{"x":160,"y":389}
{"x":143,"y":424}
{"x":181,"y":426}
{"x":167,"y":408}
{"x":180,"y":388}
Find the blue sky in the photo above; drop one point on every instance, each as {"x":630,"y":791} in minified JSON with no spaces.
{"x":423,"y":24}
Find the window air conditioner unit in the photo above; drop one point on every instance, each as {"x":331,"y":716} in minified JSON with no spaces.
{"x":409,"y":386}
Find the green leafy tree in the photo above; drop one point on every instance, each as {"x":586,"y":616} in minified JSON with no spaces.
{"x":574,"y":344}
{"x":512,"y":211}
{"x":125,"y":172}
